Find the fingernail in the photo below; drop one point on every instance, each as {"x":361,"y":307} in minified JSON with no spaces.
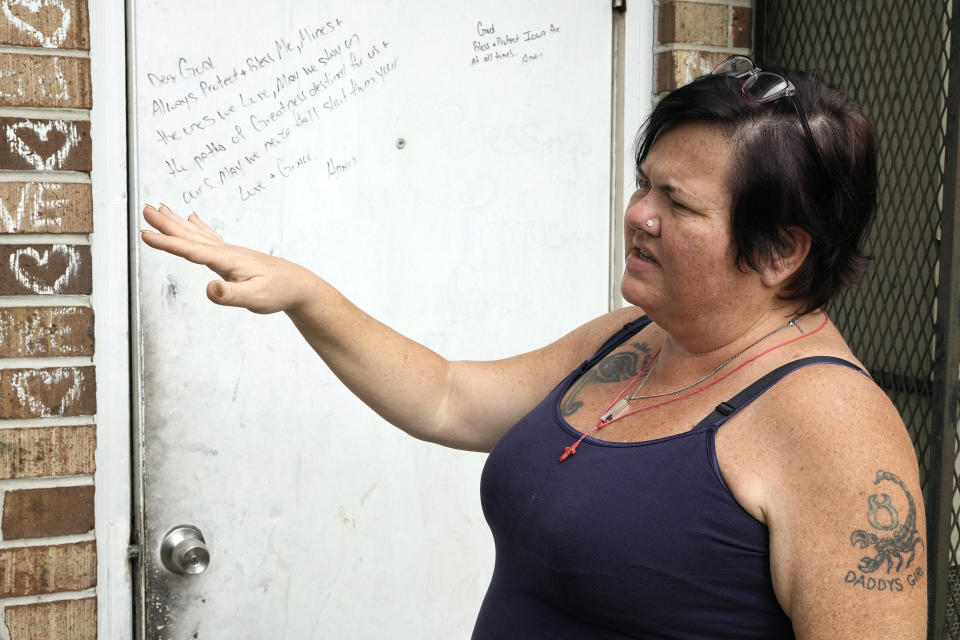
{"x":165,"y":208}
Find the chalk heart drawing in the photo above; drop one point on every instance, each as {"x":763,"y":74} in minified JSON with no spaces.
{"x":32,"y":270}
{"x":64,"y":135}
{"x":33,"y":9}
{"x":60,"y":389}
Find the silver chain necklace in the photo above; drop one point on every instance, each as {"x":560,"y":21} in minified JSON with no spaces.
{"x":622,"y":404}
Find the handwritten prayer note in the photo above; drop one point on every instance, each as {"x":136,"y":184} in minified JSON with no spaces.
{"x":229,"y":123}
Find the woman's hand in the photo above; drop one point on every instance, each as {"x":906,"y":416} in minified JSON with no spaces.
{"x":409,"y":385}
{"x":252,"y":280}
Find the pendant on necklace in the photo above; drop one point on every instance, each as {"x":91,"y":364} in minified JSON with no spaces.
{"x":619,"y":407}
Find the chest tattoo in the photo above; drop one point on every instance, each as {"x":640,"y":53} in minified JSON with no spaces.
{"x":616,"y":367}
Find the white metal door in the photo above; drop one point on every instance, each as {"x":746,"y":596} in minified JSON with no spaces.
{"x":447,"y":166}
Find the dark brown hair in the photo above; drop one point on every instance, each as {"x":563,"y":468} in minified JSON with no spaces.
{"x":779,"y":183}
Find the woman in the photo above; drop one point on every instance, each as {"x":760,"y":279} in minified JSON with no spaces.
{"x":727,"y":469}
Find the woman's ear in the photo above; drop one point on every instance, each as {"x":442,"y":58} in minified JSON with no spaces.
{"x":794,"y":251}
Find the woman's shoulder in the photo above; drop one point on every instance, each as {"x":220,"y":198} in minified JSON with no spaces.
{"x":829,"y":388}
{"x":828,"y":423}
{"x":595,"y":333}
{"x":826,"y":415}
{"x":832,"y":396}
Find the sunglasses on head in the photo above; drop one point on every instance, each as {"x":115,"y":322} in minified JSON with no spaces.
{"x":766,"y":86}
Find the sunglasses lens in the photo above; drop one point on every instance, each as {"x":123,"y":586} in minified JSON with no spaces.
{"x":766,"y":86}
{"x":734,"y":66}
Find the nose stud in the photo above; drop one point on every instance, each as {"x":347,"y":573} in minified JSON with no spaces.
{"x":649,"y":223}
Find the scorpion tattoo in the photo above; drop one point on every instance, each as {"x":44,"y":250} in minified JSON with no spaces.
{"x":901,"y":545}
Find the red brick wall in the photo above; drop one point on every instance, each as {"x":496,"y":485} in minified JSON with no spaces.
{"x":694,"y":35}
{"x":48,"y":554}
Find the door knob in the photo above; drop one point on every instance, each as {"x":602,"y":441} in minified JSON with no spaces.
{"x":184,"y":550}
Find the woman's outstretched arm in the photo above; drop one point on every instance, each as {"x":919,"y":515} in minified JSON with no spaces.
{"x":465,"y":405}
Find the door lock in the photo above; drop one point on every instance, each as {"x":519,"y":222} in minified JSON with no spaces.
{"x":184,"y":550}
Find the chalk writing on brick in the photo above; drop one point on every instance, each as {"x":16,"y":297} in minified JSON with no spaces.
{"x":45,"y":207}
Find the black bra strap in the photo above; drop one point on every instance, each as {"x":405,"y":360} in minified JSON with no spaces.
{"x":726,"y":409}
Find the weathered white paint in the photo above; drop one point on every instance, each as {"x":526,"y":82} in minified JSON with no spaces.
{"x":693,"y":68}
{"x":42,"y":130}
{"x":64,"y":383}
{"x":485,"y":235}
{"x":35,"y":197}
{"x":50,"y":40}
{"x":27,"y":265}
{"x":111,"y":266}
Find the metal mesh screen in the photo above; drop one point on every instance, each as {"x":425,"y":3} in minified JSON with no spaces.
{"x":892,"y":56}
{"x":952,"y":627}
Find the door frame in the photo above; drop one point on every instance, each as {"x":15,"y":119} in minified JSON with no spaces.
{"x":109,"y":247}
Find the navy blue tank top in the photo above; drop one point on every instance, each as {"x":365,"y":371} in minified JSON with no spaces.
{"x":624,"y":540}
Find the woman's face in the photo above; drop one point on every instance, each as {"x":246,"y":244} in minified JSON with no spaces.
{"x":680,"y":263}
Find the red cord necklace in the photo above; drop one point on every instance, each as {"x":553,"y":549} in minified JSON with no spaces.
{"x":608,"y":418}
